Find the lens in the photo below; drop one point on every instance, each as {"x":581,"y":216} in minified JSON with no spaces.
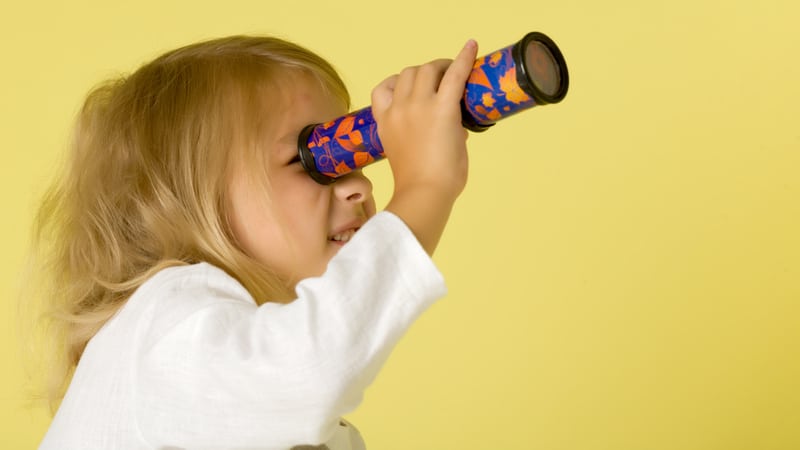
{"x":542,"y":68}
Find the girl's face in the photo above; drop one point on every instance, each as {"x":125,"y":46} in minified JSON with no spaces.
{"x":299,"y":225}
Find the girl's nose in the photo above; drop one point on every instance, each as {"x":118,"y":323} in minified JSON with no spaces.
{"x":353,"y":187}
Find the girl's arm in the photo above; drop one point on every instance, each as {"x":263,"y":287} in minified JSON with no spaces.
{"x":216,"y":371}
{"x":419,"y":122}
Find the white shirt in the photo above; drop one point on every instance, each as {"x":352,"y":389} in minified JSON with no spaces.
{"x":192,"y":362}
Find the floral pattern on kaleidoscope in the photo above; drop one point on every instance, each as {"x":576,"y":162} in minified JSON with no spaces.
{"x":493,"y":92}
{"x":346,"y":143}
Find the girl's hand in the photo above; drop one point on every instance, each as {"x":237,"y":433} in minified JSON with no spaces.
{"x":419,"y":122}
{"x":418,"y":114}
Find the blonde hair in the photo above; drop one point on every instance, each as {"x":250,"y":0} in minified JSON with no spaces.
{"x":145,"y":181}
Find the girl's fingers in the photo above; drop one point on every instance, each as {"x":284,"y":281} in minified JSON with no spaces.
{"x":455,"y":78}
{"x":382,"y":94}
{"x":405,"y":82}
{"x":429,"y":76}
{"x":442,"y":76}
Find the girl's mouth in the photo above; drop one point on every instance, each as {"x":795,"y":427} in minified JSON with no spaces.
{"x":343,"y":237}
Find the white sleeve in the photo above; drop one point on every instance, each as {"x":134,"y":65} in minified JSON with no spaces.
{"x":226,"y":373}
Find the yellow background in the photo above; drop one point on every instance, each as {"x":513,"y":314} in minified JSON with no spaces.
{"x":624,"y":267}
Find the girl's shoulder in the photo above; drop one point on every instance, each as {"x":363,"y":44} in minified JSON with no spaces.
{"x":177,"y":293}
{"x":179,"y":281}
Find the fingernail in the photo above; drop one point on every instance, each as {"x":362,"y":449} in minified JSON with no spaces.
{"x":471,"y":44}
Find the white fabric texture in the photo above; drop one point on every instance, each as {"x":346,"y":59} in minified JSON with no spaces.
{"x":192,"y":362}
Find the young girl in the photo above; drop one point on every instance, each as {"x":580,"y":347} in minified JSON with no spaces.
{"x":205,"y":292}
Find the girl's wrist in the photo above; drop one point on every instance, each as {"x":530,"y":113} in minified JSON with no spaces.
{"x":425,"y":211}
